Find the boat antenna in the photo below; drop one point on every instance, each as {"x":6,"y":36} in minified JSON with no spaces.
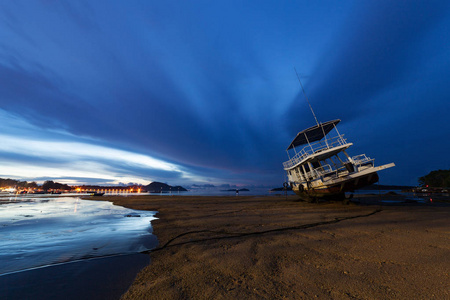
{"x":303,"y":90}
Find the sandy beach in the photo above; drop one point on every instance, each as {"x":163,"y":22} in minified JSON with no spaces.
{"x":272,"y":247}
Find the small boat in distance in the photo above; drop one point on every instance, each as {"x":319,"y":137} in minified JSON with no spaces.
{"x":96,"y":194}
{"x":323,"y":169}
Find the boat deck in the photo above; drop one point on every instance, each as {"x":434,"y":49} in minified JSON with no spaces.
{"x":319,"y":150}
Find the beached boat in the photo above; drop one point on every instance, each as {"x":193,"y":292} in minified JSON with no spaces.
{"x":323,"y":169}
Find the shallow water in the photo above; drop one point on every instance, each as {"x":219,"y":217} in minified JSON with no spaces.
{"x":37,"y":232}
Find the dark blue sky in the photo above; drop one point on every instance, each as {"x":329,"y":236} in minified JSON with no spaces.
{"x":196,"y":92}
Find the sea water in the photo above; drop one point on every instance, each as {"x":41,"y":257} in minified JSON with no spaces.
{"x":38,"y":232}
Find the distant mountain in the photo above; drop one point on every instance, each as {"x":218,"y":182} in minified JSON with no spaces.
{"x":156,"y":187}
{"x":202,"y":186}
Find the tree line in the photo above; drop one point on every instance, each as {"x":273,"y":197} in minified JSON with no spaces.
{"x":17,"y":183}
{"x":47,"y":185}
{"x":438,"y":178}
{"x":51,"y":185}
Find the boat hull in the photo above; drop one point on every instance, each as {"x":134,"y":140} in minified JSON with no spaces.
{"x":336,"y":191}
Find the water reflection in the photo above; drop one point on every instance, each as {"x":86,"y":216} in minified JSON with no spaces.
{"x":37,"y":232}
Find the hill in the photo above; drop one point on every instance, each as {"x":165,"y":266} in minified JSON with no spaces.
{"x":437,"y":178}
{"x":156,"y":187}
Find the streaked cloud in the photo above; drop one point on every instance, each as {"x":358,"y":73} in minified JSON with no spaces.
{"x":33,"y":152}
{"x":205,"y":91}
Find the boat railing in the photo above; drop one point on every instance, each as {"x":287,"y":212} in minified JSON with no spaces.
{"x":324,"y":170}
{"x":327,"y":172}
{"x":362,"y":160}
{"x":314,"y":148}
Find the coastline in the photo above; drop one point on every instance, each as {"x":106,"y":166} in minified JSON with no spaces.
{"x":65,"y":248}
{"x":275,"y":247}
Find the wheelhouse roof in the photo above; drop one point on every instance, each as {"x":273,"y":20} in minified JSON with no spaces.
{"x":313,"y":134}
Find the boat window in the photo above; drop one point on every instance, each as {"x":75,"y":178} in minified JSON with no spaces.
{"x":307,"y":167}
{"x":315,"y":164}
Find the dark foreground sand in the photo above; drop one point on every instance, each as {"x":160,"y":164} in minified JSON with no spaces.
{"x":274,"y":248}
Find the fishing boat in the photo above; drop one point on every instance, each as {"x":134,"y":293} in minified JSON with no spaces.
{"x":319,"y":166}
{"x":322,"y":168}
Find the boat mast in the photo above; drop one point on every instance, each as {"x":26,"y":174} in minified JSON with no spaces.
{"x":303,"y":90}
{"x":304,"y":94}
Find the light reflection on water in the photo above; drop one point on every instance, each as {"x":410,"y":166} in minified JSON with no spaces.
{"x":41,"y":231}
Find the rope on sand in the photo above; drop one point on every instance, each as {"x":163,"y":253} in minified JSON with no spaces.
{"x":228,"y":235}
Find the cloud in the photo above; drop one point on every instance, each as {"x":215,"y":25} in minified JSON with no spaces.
{"x":170,"y":92}
{"x":207,"y":88}
{"x":32,"y":152}
{"x":374,"y":52}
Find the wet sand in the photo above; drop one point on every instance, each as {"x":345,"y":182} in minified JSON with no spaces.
{"x":100,"y":278}
{"x":63,"y":248}
{"x":273,"y":248}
